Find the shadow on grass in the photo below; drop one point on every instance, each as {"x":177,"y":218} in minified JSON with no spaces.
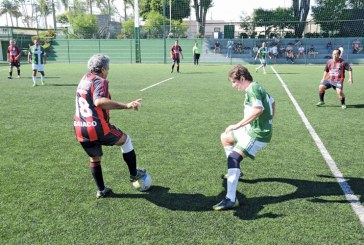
{"x":161,"y":197}
{"x":249,"y":209}
{"x":312,"y":191}
{"x":61,"y":85}
{"x":358,"y":106}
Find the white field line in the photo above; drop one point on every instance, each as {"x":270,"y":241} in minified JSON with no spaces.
{"x":345,"y":187}
{"x":151,"y":86}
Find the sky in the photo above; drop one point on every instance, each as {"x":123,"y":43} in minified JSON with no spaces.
{"x":227,"y":10}
{"x":231,"y":10}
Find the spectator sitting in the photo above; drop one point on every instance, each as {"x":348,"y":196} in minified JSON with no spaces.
{"x":301,"y":51}
{"x":329,"y":47}
{"x":357,"y":48}
{"x":312,"y":52}
{"x":341,"y":48}
{"x":255,"y":50}
{"x":217,"y":47}
{"x":297,"y":43}
{"x":273,"y":52}
{"x":289,"y":53}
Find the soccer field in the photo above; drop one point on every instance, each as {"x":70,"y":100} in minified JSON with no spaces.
{"x":288,"y":195}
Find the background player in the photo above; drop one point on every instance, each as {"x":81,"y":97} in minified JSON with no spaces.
{"x":13,"y":58}
{"x":176,"y":54}
{"x":334,"y":76}
{"x":262,"y":54}
{"x":37,"y":56}
{"x":92,"y":126}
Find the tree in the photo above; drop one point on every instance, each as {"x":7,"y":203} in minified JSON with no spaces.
{"x":180,"y":8}
{"x":274,"y":21}
{"x":9,"y":8}
{"x":154,"y":24}
{"x":44,"y":8}
{"x":84,"y":25}
{"x":300,"y":13}
{"x":201,"y":7}
{"x":128,"y":29}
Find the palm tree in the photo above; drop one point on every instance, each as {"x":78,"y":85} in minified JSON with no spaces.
{"x":10,"y":8}
{"x":44,"y":8}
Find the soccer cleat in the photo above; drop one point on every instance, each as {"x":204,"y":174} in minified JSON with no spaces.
{"x":226,"y":204}
{"x":224,"y":176}
{"x":140,"y":174}
{"x":18,"y":76}
{"x":34,"y":84}
{"x":103,"y":193}
{"x":10,"y":77}
{"x":43,"y":82}
{"x":343,"y":106}
{"x":320,"y":103}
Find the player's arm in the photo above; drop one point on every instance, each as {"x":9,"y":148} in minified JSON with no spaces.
{"x":107,"y":104}
{"x":29,"y":54}
{"x":45,"y":58}
{"x":325,"y":75}
{"x":256,"y":112}
{"x":351,"y":77}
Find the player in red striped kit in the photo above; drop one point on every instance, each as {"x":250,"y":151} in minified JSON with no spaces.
{"x":13,"y":58}
{"x":92,"y":125}
{"x":334,"y":76}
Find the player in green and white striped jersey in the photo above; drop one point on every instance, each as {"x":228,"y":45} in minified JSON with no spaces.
{"x":247,"y":137}
{"x":262,"y":53}
{"x":37,"y":56}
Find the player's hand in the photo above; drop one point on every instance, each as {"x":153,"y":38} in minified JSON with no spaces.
{"x":230,"y":128}
{"x":136,"y":104}
{"x":350,"y":81}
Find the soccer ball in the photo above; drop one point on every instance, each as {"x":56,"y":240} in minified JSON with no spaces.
{"x":143,"y":184}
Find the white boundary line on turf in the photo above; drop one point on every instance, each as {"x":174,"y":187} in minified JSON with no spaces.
{"x":151,"y":86}
{"x":345,"y":187}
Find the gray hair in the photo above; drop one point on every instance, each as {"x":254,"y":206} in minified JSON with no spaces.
{"x":97,"y":62}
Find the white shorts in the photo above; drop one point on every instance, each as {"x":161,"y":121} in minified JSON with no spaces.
{"x":263,"y":61}
{"x":246,"y":144}
{"x":38,"y":67}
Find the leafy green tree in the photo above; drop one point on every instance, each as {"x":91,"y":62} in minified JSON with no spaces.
{"x":180,"y":8}
{"x":339,"y":17}
{"x":201,"y":7}
{"x":128,"y":29}
{"x":84,"y":25}
{"x":273,"y":21}
{"x":10,"y":8}
{"x":44,"y":8}
{"x":154,"y":24}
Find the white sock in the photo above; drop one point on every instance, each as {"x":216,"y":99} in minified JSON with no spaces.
{"x":42,"y":78}
{"x":232,"y":183}
{"x":264,"y":69}
{"x":228,"y":150}
{"x":35,"y":79}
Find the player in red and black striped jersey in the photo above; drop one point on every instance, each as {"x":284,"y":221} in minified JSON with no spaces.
{"x":176,"y":54}
{"x":92,"y":121}
{"x":13,"y":58}
{"x":334,"y":76}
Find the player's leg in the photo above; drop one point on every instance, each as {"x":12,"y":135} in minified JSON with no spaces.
{"x":42,"y":78}
{"x":128,"y":153}
{"x":18,"y":69}
{"x":11,"y":65}
{"x":94,"y":151}
{"x":173,"y":63}
{"x":34,"y":76}
{"x":341,"y":95}
{"x":178,"y":65}
{"x":322,"y":88}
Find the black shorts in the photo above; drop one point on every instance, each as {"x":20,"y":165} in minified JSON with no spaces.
{"x":94,"y":148}
{"x":334,"y":85}
{"x":16,"y":64}
{"x":176,"y":60}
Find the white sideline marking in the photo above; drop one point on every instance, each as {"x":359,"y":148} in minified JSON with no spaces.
{"x":151,"y":86}
{"x":345,"y":187}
